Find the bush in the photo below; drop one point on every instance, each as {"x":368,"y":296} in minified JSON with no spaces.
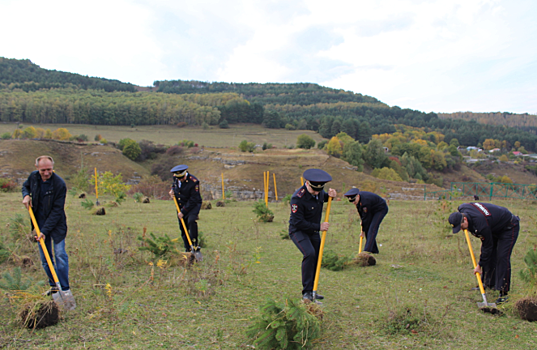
{"x":7,"y":185}
{"x":81,"y":138}
{"x":267,"y":146}
{"x":187,"y":143}
{"x":132,"y":150}
{"x":159,"y":246}
{"x":246,"y":146}
{"x":290,"y":127}
{"x":149,"y":150}
{"x":123,"y":142}
{"x":114,"y":185}
{"x":386,"y":174}
{"x":223,"y":124}
{"x":181,"y":124}
{"x":263,"y":212}
{"x":138,"y":196}
{"x":82,"y":179}
{"x":287,"y":325}
{"x":98,"y":137}
{"x":321,"y":144}
{"x":333,"y":261}
{"x":305,"y":141}
{"x":61,"y":134}
{"x":6,"y":136}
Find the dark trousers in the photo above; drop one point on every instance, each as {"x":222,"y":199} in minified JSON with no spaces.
{"x":192,"y":226}
{"x":372,"y":230}
{"x":309,"y":246}
{"x":497,"y":273}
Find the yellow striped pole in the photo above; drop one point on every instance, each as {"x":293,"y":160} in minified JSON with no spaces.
{"x":223,"y":192}
{"x":96,"y":188}
{"x":275,"y":188}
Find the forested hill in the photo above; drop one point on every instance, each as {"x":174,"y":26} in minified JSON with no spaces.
{"x":27,"y":76}
{"x":270,"y":93}
{"x":525,"y":121}
{"x":30,"y":94}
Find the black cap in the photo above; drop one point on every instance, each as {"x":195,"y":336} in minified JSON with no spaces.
{"x":455,"y":219}
{"x":179,"y":170}
{"x":352,"y":192}
{"x":317,"y":178}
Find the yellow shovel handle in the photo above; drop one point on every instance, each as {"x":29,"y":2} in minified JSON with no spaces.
{"x":183,"y":222}
{"x":43,"y":246}
{"x":478,"y":275}
{"x":323,"y":239}
{"x":361,"y":240}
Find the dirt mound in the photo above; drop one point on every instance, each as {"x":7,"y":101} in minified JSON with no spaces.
{"x":40,"y":314}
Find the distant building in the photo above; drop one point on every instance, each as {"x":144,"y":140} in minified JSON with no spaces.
{"x":517,"y":153}
{"x":494,"y":150}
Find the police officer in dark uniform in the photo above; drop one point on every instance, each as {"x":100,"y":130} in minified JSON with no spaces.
{"x":305,"y":224}
{"x":498,"y":230}
{"x":186,"y":188}
{"x":372,"y":209}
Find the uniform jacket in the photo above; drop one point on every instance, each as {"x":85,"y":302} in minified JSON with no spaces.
{"x":306,"y":211}
{"x":369,"y":204}
{"x":486,"y":221}
{"x":188,"y":195}
{"x":53,"y":204}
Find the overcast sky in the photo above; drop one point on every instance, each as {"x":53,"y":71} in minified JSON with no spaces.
{"x":439,"y":56}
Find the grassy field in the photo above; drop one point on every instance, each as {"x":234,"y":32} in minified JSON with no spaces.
{"x":170,"y":134}
{"x":423,"y":278}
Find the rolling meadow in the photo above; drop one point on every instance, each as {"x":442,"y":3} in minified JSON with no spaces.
{"x":419,"y":295}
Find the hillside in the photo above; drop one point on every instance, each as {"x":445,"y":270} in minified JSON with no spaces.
{"x":525,"y":121}
{"x":243,"y":172}
{"x":28,"y":76}
{"x":30,"y":94}
{"x":18,"y":159}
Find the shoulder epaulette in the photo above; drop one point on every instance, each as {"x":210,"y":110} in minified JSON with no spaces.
{"x":301,"y":193}
{"x":193,"y":178}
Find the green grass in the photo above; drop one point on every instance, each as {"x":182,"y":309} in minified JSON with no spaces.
{"x":423,"y":278}
{"x":170,"y":134}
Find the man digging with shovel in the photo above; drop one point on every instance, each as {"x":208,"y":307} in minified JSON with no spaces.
{"x":186,"y":193}
{"x":45,"y":192}
{"x":305,"y":224}
{"x":498,"y":230}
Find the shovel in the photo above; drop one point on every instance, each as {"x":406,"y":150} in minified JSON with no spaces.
{"x":197,"y":254}
{"x":484,"y":306}
{"x":320,"y":258}
{"x":63,"y":298}
{"x":361,"y":240}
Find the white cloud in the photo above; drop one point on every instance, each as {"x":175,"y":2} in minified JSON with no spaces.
{"x":432,"y":55}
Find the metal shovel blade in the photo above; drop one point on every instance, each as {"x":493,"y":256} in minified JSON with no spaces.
{"x":65,"y":299}
{"x":198,"y":256}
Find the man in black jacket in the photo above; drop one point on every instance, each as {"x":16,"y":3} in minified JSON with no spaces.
{"x":186,"y":188}
{"x":372,"y":209}
{"x":45,"y":192}
{"x":305,"y":224}
{"x":498,"y":230}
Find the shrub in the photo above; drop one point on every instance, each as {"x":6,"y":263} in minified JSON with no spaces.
{"x":321,"y":144}
{"x":82,"y":138}
{"x":61,"y":134}
{"x":98,"y":137}
{"x":150,"y":150}
{"x":123,"y":142}
{"x":263,"y":212}
{"x":246,"y":146}
{"x":7,"y":185}
{"x":113,"y":185}
{"x":386,"y":174}
{"x":223,"y":124}
{"x":205,"y":126}
{"x":333,"y":261}
{"x":305,"y":141}
{"x":181,"y":124}
{"x":290,"y":127}
{"x":159,"y":246}
{"x":132,"y":150}
{"x":186,"y":143}
{"x":529,"y":274}
{"x":87,"y":204}
{"x":138,"y":197}
{"x":287,"y":325}
{"x":6,"y":136}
